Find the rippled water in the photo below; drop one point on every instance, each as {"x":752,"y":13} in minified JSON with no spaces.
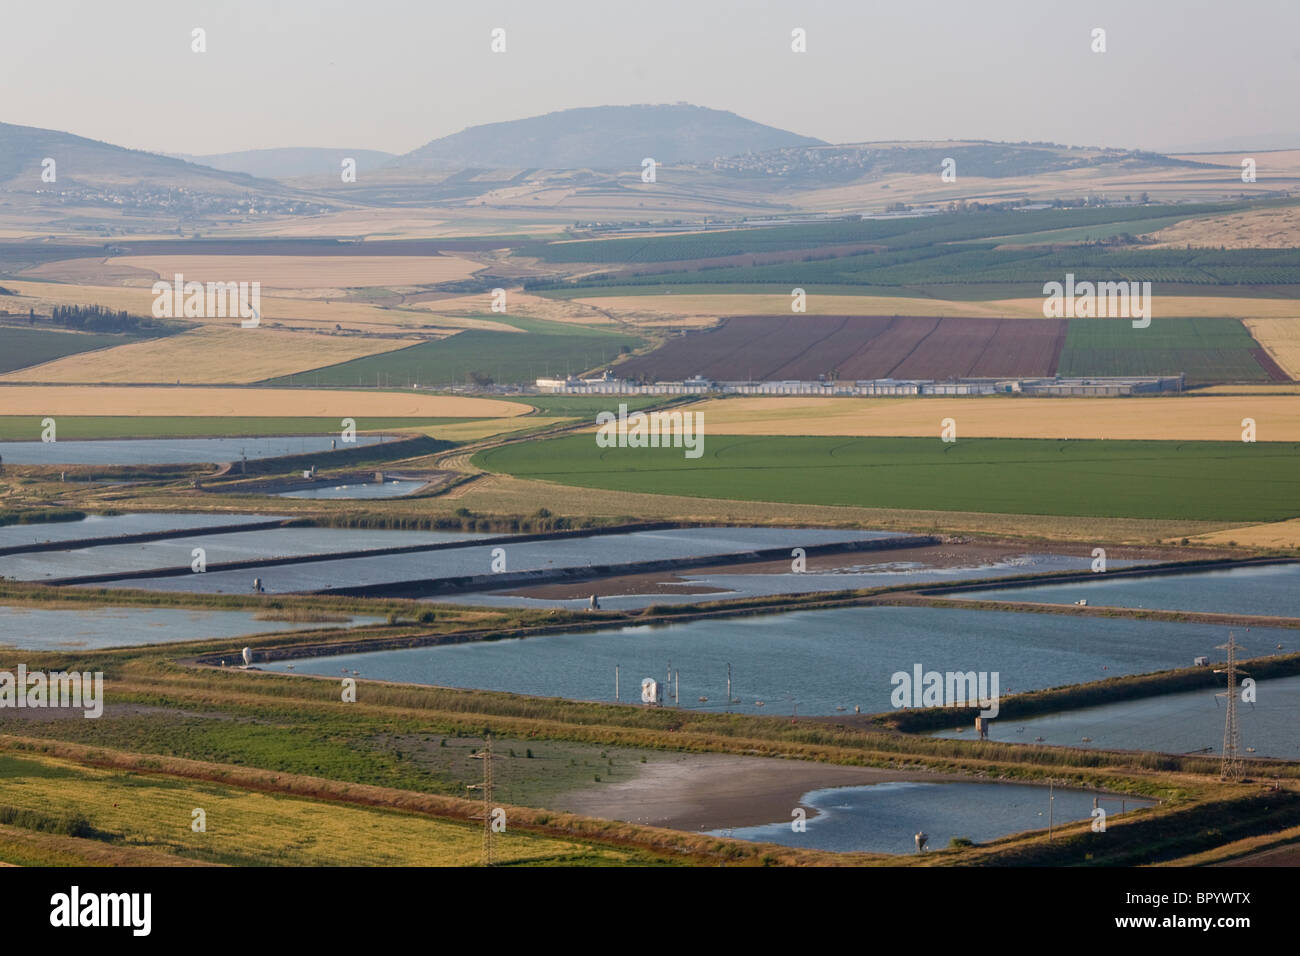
{"x":857,"y":574}
{"x":104,"y":526}
{"x":527,"y":555}
{"x":1190,"y":722}
{"x":165,"y":451}
{"x":1271,"y":589}
{"x":825,"y":662}
{"x":99,"y":627}
{"x":234,"y":546}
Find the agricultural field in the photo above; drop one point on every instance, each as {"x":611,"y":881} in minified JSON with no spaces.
{"x":855,"y":347}
{"x":1277,"y":534}
{"x":1014,"y":251}
{"x":1280,"y":338}
{"x":1173,"y":418}
{"x":273,"y":271}
{"x":653,"y":305}
{"x":1207,"y":350}
{"x":984,"y":263}
{"x":521,"y":304}
{"x":1276,"y":228}
{"x":548,"y":349}
{"x":313,"y":314}
{"x":900,"y":233}
{"x":1112,"y":230}
{"x":186,"y":402}
{"x":1111,"y":479}
{"x":848,"y":348}
{"x":20,"y":348}
{"x":209,"y":355}
{"x":248,"y":828}
{"x":582,"y":406}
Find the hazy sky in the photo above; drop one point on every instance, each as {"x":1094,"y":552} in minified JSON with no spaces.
{"x":393,"y":74}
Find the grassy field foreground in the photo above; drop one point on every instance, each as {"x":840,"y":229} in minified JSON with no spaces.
{"x":1210,"y":481}
{"x":249,"y":828}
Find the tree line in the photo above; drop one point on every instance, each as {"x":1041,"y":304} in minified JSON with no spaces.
{"x":97,"y":318}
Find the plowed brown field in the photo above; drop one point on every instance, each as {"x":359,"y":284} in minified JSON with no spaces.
{"x":776,"y":347}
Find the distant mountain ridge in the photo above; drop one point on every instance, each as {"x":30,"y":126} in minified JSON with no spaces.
{"x":89,"y":162}
{"x":604,"y":137}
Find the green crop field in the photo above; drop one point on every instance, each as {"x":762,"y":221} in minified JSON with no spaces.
{"x":20,"y":348}
{"x":979,"y":263}
{"x":28,"y":427}
{"x":948,"y":255}
{"x":546,"y":349}
{"x":898,"y":233}
{"x":1119,"y":479}
{"x":1110,"y":230}
{"x":1208,"y":350}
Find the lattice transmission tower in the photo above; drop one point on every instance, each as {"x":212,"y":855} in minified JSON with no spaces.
{"x":486,"y":787}
{"x":1231,"y":768}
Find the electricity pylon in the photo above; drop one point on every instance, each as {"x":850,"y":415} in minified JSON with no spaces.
{"x":486,"y":787}
{"x":1231,"y":768}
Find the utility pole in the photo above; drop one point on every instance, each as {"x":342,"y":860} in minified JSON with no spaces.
{"x":616,"y":683}
{"x":1230,"y":768}
{"x":1051,"y":807}
{"x":728,"y":687}
{"x":486,"y":787}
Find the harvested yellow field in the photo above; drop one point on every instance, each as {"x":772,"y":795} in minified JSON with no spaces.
{"x":473,"y":431}
{"x":1278,"y":534}
{"x":275,"y":402}
{"x":646,"y":308}
{"x":1187,"y":418}
{"x":1180,"y":307}
{"x":519,"y":303}
{"x":1276,"y":388}
{"x":1280,"y":338}
{"x":252,"y":828}
{"x":209,"y":355}
{"x":1256,"y":229}
{"x":304,"y":272}
{"x":1272,"y":161}
{"x":1171,"y":183}
{"x":378,"y":223}
{"x":90,"y":271}
{"x":681,"y":310}
{"x":287,"y":312}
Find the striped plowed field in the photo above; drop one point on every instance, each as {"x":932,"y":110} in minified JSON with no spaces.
{"x":776,"y":347}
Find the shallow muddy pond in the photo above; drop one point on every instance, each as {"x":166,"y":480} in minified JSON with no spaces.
{"x":884,"y":817}
{"x":393,"y":488}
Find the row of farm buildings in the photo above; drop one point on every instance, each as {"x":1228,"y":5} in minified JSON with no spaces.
{"x":1056,"y":386}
